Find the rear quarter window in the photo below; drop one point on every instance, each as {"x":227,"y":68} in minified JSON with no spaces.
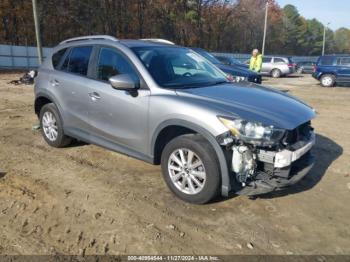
{"x":278,"y":60}
{"x":344,"y":61}
{"x":57,"y":57}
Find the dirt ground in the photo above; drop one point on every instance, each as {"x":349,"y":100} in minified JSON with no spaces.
{"x":88,"y":200}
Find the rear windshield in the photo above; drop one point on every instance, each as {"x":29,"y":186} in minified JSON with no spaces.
{"x":326,"y":60}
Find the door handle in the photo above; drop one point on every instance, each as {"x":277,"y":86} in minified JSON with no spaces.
{"x":94,"y":96}
{"x":54,"y":82}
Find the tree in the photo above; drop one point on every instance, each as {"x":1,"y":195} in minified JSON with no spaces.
{"x":217,"y":25}
{"x":342,"y":40}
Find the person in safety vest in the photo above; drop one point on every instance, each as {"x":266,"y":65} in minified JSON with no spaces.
{"x":255,"y":61}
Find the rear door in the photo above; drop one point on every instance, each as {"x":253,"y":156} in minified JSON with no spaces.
{"x":281,"y":64}
{"x":343,"y":65}
{"x":119,"y":117}
{"x":71,"y":83}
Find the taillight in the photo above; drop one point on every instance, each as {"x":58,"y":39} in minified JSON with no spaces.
{"x":290,"y":65}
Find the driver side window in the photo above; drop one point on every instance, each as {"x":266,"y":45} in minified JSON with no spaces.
{"x":111,"y":63}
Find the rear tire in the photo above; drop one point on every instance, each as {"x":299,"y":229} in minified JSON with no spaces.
{"x":276,"y":73}
{"x":52,"y":128}
{"x":190,"y":169}
{"x":327,"y":80}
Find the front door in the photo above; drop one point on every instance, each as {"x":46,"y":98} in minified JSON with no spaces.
{"x":118,"y":116}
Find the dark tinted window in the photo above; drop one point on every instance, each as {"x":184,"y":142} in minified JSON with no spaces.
{"x":111,"y":63}
{"x":326,"y":60}
{"x":266,"y":59}
{"x":56,"y":57}
{"x":278,"y":60}
{"x":344,"y":61}
{"x":77,"y":61}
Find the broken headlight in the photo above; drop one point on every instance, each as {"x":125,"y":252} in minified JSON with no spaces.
{"x":253,"y":132}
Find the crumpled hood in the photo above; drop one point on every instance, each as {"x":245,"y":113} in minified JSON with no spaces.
{"x":254,"y":103}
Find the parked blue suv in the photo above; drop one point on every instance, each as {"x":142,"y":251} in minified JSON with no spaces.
{"x":332,"y":69}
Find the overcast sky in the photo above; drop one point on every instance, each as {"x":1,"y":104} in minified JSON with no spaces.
{"x":337,"y":12}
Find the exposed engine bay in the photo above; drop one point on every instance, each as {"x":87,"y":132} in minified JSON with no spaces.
{"x":262,"y":169}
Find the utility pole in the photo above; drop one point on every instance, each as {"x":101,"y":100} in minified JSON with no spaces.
{"x":37,"y":31}
{"x":324,"y":38}
{"x":265,"y":27}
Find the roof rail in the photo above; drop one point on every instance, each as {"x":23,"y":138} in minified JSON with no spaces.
{"x":90,"y":37}
{"x":158,"y":40}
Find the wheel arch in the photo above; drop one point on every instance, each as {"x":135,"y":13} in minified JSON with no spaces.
{"x":39,"y":102}
{"x":42,"y":99}
{"x":275,"y":68}
{"x":159,"y":140}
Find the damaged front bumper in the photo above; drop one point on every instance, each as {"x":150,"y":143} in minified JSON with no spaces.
{"x":278,"y":170}
{"x":265,"y":183}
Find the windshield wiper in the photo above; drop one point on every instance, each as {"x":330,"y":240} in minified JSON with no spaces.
{"x":217,"y":83}
{"x":197,"y":85}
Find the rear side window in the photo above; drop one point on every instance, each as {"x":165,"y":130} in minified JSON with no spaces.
{"x":57,"y":57}
{"x":344,"y":61}
{"x":326,"y":60}
{"x":278,"y":60}
{"x":77,"y":61}
{"x":111,"y":63}
{"x":266,"y":59}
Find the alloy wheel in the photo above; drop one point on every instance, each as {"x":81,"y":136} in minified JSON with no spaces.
{"x":327,"y":81}
{"x":186,"y":171}
{"x":49,"y":124}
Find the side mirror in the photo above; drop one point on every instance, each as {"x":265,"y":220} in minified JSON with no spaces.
{"x":123,"y":82}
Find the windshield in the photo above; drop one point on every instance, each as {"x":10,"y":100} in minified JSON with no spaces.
{"x":175,"y":67}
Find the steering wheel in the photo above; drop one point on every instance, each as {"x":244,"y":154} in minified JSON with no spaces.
{"x":187,"y":74}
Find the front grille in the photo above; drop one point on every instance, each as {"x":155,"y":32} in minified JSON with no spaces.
{"x":302,"y":132}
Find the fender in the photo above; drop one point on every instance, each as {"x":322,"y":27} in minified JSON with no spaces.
{"x":48,"y":96}
{"x":225,"y":176}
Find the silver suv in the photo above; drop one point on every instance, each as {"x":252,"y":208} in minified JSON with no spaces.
{"x":277,"y":66}
{"x":167,"y":105}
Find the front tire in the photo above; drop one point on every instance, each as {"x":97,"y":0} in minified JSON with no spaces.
{"x":190,"y":169}
{"x":52,"y":128}
{"x":327,"y":80}
{"x":276,"y":73}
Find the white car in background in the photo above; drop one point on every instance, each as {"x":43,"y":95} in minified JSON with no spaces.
{"x":277,"y":66}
